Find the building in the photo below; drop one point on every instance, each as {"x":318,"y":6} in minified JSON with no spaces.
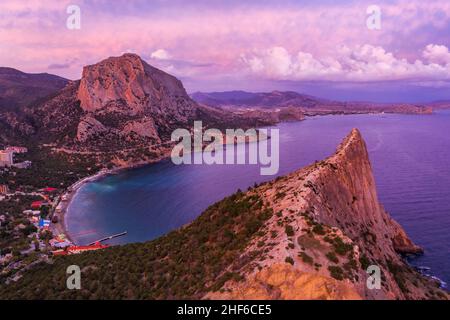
{"x":15,"y":149}
{"x":6,"y":158}
{"x":79,"y":249}
{"x":4,"y":189}
{"x":23,"y":165}
{"x":38,"y":204}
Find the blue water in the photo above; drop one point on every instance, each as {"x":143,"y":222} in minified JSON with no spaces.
{"x":410,"y":155}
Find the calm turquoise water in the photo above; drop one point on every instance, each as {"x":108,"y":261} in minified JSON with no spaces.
{"x":410,"y":156}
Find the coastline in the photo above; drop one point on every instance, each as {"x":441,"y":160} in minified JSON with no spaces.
{"x":62,"y":228}
{"x":66,"y":198}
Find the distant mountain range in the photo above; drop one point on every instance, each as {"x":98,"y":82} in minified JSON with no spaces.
{"x":309,"y":104}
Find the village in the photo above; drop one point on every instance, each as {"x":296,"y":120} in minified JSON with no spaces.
{"x":29,"y":221}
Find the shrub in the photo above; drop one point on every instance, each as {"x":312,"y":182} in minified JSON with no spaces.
{"x":306,"y":258}
{"x":318,"y":229}
{"x":332,"y":257}
{"x":289,"y":230}
{"x":336,"y":272}
{"x":289,"y":260}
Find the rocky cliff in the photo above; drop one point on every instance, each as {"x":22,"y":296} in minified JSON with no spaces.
{"x":124,"y":110}
{"x":328,"y":227}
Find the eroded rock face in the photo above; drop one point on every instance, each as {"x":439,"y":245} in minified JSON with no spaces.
{"x":132,"y":100}
{"x":283,"y":281}
{"x":328,"y":227}
{"x":144,"y":127}
{"x":89,"y":127}
{"x":129,"y":85}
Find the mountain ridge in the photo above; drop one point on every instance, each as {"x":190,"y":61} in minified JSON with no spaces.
{"x":309,"y":104}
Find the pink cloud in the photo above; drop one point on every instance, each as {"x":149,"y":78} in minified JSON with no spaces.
{"x":358,"y":63}
{"x":309,"y":39}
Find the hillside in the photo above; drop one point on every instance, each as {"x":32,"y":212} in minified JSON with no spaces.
{"x":308,"y":235}
{"x":19,"y":89}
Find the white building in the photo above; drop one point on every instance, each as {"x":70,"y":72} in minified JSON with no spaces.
{"x":6,"y":158}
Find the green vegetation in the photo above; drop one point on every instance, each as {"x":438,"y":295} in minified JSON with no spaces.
{"x":332,"y":257}
{"x":185,"y":263}
{"x":289,"y":260}
{"x":289,"y":231}
{"x":336,"y":272}
{"x":306,"y":258}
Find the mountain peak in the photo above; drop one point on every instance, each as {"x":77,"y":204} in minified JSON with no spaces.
{"x":126,"y":83}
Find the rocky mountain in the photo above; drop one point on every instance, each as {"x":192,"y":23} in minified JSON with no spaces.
{"x":309,"y":235}
{"x":19,"y":89}
{"x":122,"y":110}
{"x":328,"y":227}
{"x":310,"y":105}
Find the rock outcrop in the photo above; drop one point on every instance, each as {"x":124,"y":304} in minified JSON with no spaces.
{"x":328,"y":228}
{"x":127,"y":94}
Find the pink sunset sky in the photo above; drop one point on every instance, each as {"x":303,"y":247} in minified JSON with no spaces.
{"x":321,"y":47}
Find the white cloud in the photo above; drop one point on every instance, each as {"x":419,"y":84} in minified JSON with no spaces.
{"x":160,"y":54}
{"x":358,"y":63}
{"x":436,"y":54}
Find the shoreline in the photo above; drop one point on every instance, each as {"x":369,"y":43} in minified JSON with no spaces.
{"x":62,"y":228}
{"x":66,"y":198}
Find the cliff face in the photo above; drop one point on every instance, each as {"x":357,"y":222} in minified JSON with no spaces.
{"x":327,"y":229}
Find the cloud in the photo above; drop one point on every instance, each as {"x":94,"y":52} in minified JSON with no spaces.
{"x":437,"y":54}
{"x":358,"y":63}
{"x":160,"y":54}
{"x":205,"y":39}
{"x":59,"y":66}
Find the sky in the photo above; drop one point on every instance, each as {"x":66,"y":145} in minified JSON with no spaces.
{"x":397,"y":51}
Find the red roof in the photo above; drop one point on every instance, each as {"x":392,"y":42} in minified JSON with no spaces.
{"x":36,"y":204}
{"x":77,"y":249}
{"x":50,"y":189}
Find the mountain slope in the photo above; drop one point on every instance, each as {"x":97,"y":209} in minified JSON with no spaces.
{"x":123,"y":109}
{"x":308,"y":235}
{"x":19,"y":89}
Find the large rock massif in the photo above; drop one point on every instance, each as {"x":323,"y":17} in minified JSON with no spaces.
{"x":124,"y":110}
{"x":328,"y":227}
